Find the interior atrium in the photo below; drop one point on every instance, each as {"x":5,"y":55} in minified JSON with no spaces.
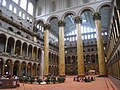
{"x":60,"y":37}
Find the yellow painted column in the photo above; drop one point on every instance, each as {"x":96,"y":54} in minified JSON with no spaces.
{"x":61,"y":25}
{"x":46,"y":49}
{"x":118,"y":15}
{"x":80,"y":56}
{"x":100,"y":47}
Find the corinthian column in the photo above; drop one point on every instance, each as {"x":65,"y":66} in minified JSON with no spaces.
{"x":100,"y":47}
{"x":80,"y":57}
{"x":61,"y":25}
{"x":46,"y":49}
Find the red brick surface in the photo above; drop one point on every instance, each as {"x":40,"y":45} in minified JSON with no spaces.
{"x":98,"y":84}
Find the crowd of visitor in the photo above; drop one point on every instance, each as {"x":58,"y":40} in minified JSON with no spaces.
{"x":84,"y":79}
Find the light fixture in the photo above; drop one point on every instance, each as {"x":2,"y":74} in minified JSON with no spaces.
{"x":5,"y":65}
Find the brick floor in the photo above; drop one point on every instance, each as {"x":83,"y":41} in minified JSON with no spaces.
{"x":98,"y":84}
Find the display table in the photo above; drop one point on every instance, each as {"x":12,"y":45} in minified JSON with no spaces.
{"x":9,"y":83}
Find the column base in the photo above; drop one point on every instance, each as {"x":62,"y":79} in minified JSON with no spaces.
{"x":45,"y":75}
{"x":62,"y":75}
{"x":80,"y":75}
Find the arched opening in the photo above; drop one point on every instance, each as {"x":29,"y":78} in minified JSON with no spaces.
{"x":2,"y":42}
{"x":29,"y":69}
{"x":19,"y":33}
{"x":1,"y":68}
{"x":88,"y":59}
{"x":39,"y":54}
{"x":35,"y":53}
{"x":18,"y":47}
{"x":10,"y":29}
{"x":24,"y":49}
{"x":8,"y":68}
{"x":16,"y":68}
{"x":23,"y":69}
{"x":10,"y":45}
{"x":93,"y":58}
{"x":30,"y":51}
{"x":34,"y":69}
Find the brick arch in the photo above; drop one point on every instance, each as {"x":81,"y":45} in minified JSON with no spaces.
{"x":68,"y":13}
{"x":86,"y":8}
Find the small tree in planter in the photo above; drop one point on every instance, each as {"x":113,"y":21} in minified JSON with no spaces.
{"x":61,"y":79}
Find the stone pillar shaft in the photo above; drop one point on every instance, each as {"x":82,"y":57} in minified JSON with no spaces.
{"x":46,"y":49}
{"x":100,"y":47}
{"x":118,"y":16}
{"x":14,"y":47}
{"x":117,"y":28}
{"x":3,"y":69}
{"x":6,"y":44}
{"x":61,"y":25}
{"x":80,"y":57}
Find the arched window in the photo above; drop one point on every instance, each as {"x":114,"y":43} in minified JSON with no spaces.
{"x":20,"y":13}
{"x":23,"y":16}
{"x":10,"y":7}
{"x":15,"y":10}
{"x":30,"y":8}
{"x":4,"y":3}
{"x":16,"y":1}
{"x":23,"y":4}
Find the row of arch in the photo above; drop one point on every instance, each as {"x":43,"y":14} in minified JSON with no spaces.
{"x":18,"y":68}
{"x":53,"y":58}
{"x":14,"y":46}
{"x":89,"y":58}
{"x":72,"y":13}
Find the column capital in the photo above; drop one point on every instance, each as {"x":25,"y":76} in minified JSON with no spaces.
{"x":47,"y":26}
{"x":77,"y":19}
{"x":61,"y":23}
{"x":96,"y":16}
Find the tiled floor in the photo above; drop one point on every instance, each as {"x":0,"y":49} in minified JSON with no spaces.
{"x":98,"y":84}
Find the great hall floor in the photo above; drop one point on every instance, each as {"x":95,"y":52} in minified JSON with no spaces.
{"x":109,"y":83}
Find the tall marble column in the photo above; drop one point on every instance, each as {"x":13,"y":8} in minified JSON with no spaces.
{"x":80,"y":56}
{"x":100,"y":47}
{"x":46,"y":49}
{"x":61,"y":25}
{"x":3,"y":69}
